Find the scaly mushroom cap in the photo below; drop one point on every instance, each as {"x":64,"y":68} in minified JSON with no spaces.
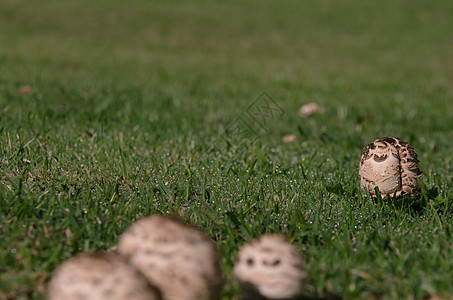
{"x":391,"y":165}
{"x":179,"y":259}
{"x":270,"y":268}
{"x":100,"y":276}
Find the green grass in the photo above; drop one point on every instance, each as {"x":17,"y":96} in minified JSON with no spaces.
{"x":127,"y":118}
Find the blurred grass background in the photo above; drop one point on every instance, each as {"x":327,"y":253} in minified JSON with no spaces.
{"x":125,"y":104}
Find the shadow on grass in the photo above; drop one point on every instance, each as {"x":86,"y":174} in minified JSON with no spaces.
{"x":417,"y":203}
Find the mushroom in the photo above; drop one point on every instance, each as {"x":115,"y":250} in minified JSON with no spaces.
{"x":289,"y":138}
{"x":391,"y":165}
{"x":99,"y":276}
{"x":179,"y":259}
{"x":309,"y":109}
{"x":270,"y":268}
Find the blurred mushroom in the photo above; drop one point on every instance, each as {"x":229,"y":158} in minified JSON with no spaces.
{"x":289,"y":138}
{"x":179,"y":259}
{"x":309,"y":109}
{"x":25,"y":90}
{"x":391,"y":165}
{"x":270,"y":268}
{"x":100,"y":276}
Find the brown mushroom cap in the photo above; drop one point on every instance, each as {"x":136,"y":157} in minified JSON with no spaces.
{"x":100,"y":276}
{"x":270,"y":268}
{"x":391,"y":165}
{"x":179,"y":259}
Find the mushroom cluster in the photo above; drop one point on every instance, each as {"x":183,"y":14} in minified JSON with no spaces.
{"x":270,"y":268}
{"x":163,"y":258}
{"x":391,"y":165}
{"x":157,"y":258}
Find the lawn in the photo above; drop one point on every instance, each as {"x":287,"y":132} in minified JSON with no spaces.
{"x":115,"y":110}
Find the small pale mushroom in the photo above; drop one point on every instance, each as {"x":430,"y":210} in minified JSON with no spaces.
{"x":25,"y":90}
{"x":289,"y":138}
{"x":99,"y":276}
{"x":270,"y":268}
{"x":309,"y":109}
{"x":178,"y":258}
{"x":391,"y":165}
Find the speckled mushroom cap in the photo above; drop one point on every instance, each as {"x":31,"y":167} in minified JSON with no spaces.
{"x":270,"y":268}
{"x":179,"y":259}
{"x":391,"y":165}
{"x":100,"y":276}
